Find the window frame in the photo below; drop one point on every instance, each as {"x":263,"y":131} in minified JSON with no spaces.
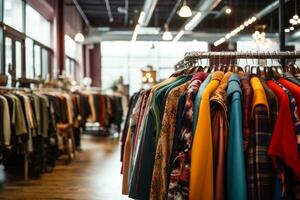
{"x":71,"y":60}
{"x":8,"y":31}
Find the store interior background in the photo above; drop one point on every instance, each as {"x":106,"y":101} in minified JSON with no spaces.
{"x":108,"y":41}
{"x":42,"y":35}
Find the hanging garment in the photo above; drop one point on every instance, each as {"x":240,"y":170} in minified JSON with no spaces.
{"x":293,"y":88}
{"x":284,"y":147}
{"x":272,"y":103}
{"x":247,"y":107}
{"x":236,"y":174}
{"x":198,"y":101}
{"x":259,"y":164}
{"x":178,"y":175}
{"x":140,"y":185}
{"x":6,"y":122}
{"x":219,"y":136}
{"x":180,"y":161}
{"x":291,"y":78}
{"x":128,"y":145}
{"x":165,"y":143}
{"x":201,"y":177}
{"x":123,"y":137}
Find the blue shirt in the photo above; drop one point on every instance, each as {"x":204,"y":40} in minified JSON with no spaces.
{"x":198,"y":100}
{"x":236,"y":174}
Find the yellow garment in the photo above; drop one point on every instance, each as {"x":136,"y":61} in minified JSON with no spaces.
{"x":259,"y":95}
{"x":201,"y":177}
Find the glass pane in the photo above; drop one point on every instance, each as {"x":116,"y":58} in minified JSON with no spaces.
{"x":13,"y":14}
{"x":67,"y":69}
{"x":8,"y":59}
{"x":29,"y":58}
{"x":37,"y":61}
{"x":37,"y":27}
{"x":70,"y":47}
{"x":18,"y":51}
{"x":45,"y":64}
{"x":73,"y":67}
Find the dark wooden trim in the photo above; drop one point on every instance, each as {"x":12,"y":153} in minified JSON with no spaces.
{"x":43,"y":7}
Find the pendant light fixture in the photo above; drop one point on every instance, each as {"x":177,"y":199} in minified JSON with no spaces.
{"x":295,"y":20}
{"x":185,"y":10}
{"x":167,"y":34}
{"x":79,"y":37}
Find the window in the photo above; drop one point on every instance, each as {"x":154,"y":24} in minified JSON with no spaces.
{"x":8,"y":59}
{"x":37,"y":27}
{"x":13,"y":14}
{"x":37,"y":60}
{"x":70,"y":68}
{"x":70,"y":62}
{"x":132,"y":57}
{"x":45,"y":63}
{"x":29,"y":58}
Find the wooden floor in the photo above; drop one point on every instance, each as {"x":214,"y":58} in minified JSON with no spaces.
{"x":94,"y":174}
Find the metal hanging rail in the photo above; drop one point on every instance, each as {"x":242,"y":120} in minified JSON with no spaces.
{"x":241,"y":55}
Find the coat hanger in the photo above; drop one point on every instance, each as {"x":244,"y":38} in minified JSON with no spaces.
{"x":253,"y":68}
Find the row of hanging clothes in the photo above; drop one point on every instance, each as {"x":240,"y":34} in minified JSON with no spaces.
{"x":216,"y":132}
{"x":103,"y":109}
{"x":29,"y":123}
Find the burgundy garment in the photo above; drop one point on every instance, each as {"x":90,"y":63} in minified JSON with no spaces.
{"x":199,"y":76}
{"x":102,"y":111}
{"x":247,"y":107}
{"x":141,"y":114}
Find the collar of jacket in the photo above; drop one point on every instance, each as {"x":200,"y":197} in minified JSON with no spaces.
{"x":259,"y":95}
{"x":218,"y":75}
{"x":199,"y":76}
{"x":234,"y":85}
{"x":220,"y":93}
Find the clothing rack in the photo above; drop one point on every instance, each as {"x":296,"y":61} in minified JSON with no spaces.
{"x":3,"y":88}
{"x":13,"y":88}
{"x":240,"y":55}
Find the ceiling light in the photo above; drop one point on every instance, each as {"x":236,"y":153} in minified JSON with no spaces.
{"x":141,"y":18}
{"x":295,"y":17}
{"x":220,"y":41}
{"x":79,"y":37}
{"x":228,"y":11}
{"x":227,"y":36}
{"x":292,"y":28}
{"x":167,"y":35}
{"x":185,"y":10}
{"x":135,"y":33}
{"x":190,"y":25}
{"x":178,"y":36}
{"x":151,"y":80}
{"x":287,"y":30}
